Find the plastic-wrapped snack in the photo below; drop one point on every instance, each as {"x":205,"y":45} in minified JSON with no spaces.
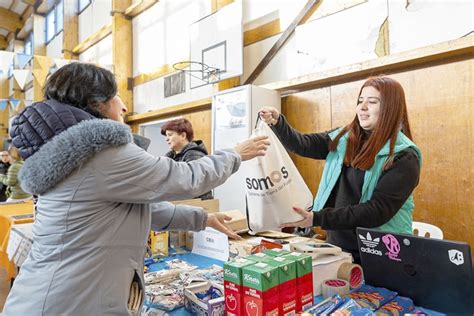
{"x":372,"y":297}
{"x":350,"y":307}
{"x":326,"y":306}
{"x":161,"y":276}
{"x":180,"y":265}
{"x":398,"y":306}
{"x":163,"y":296}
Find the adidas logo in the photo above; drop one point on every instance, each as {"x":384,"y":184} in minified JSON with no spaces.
{"x":368,"y":241}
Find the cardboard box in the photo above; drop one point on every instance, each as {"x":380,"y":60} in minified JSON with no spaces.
{"x":210,"y":206}
{"x":195,"y":306}
{"x":238,"y":223}
{"x":260,"y":290}
{"x":233,"y":286}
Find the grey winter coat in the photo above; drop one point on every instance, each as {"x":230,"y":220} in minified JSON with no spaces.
{"x":94,"y":215}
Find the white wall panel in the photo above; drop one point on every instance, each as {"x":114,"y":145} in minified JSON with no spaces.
{"x":161,"y":34}
{"x":94,"y":17}
{"x":150,"y":96}
{"x":100,"y":53}
{"x":55,"y":46}
{"x":426,"y":22}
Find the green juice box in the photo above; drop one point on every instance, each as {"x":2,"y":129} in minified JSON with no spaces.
{"x":260,"y":290}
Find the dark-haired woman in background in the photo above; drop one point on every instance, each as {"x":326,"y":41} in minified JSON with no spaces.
{"x":371,"y":170}
{"x":180,"y":138}
{"x":98,"y":195}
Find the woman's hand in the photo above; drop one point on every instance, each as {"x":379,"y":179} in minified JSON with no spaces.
{"x":252,"y":147}
{"x":269,"y":115}
{"x":307,"y":220}
{"x":217,"y":221}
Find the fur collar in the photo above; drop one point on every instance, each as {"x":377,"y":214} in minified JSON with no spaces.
{"x":66,"y":152}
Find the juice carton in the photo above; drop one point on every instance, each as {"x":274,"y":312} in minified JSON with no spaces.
{"x":304,"y":279}
{"x":287,"y":288}
{"x":260,"y":290}
{"x":259,"y":257}
{"x":233,"y":286}
{"x":276,"y":252}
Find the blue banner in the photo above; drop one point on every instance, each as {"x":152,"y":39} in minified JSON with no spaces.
{"x":14,"y":103}
{"x":3,"y":105}
{"x":22,"y":60}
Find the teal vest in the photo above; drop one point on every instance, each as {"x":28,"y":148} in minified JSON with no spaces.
{"x":402,"y":221}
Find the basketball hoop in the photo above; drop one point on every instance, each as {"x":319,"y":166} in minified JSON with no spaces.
{"x":199,"y":70}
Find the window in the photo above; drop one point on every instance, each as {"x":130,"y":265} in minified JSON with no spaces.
{"x":83,"y":4}
{"x":59,"y":17}
{"x":54,"y":21}
{"x":29,"y":44}
{"x":50,"y":26}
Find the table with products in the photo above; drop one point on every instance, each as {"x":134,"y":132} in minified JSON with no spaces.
{"x":12,"y":214}
{"x":205,"y":262}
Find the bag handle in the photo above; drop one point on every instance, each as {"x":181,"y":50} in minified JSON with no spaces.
{"x":258,"y":120}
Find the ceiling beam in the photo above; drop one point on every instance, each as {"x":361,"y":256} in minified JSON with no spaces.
{"x":9,"y":20}
{"x":304,"y":14}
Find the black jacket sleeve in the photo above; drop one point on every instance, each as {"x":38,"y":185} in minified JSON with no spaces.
{"x":191,"y":155}
{"x":313,"y":145}
{"x":393,"y":189}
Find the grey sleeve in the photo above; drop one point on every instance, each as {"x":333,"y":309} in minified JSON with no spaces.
{"x":167,"y":216}
{"x":129,"y":174}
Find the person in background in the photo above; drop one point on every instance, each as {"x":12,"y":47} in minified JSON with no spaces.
{"x":180,"y":138}
{"x":99,"y":194}
{"x":372,"y":166}
{"x":14,"y":191}
{"x":4,"y":165}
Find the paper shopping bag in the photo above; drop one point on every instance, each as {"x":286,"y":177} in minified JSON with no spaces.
{"x":273,"y":186}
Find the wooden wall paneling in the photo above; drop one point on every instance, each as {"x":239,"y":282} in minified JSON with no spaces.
{"x":343,"y":102}
{"x":202,"y":122}
{"x":122,"y":42}
{"x":309,"y":112}
{"x":39,"y":40}
{"x":71,"y":29}
{"x":440,"y":102}
{"x":4,"y":115}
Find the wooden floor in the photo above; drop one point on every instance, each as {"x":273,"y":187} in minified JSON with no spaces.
{"x":4,"y":288}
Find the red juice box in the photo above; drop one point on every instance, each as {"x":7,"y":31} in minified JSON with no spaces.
{"x":304,"y":279}
{"x":260,"y":290}
{"x":287,"y":287}
{"x":233,"y":286}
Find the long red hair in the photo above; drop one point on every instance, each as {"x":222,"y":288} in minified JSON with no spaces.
{"x":361,"y":150}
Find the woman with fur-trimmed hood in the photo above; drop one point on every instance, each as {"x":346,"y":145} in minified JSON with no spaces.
{"x":98,"y":195}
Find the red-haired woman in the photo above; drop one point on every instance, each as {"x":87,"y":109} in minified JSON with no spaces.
{"x":180,"y":138}
{"x":372,"y":166}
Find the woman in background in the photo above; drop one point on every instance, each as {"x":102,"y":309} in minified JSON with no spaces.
{"x":14,"y":191}
{"x":4,"y":165}
{"x":180,"y":138}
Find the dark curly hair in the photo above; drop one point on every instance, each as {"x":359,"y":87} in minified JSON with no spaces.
{"x":81,"y":85}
